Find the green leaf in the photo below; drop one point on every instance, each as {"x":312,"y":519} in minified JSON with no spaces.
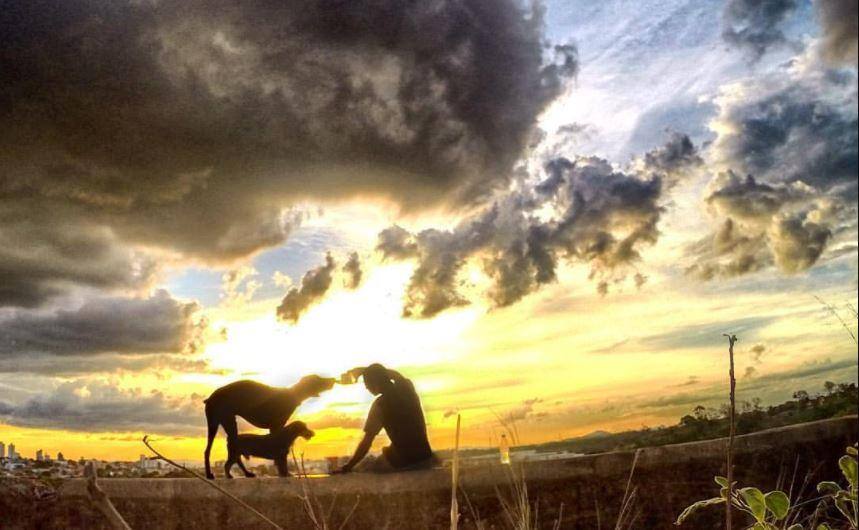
{"x":842,"y":505}
{"x":756,"y":502}
{"x":821,"y":526}
{"x":778,"y":503}
{"x":722,"y":481}
{"x":849,"y":468}
{"x":795,"y":527}
{"x":852,"y":451}
{"x":827,"y":487}
{"x":698,"y":505}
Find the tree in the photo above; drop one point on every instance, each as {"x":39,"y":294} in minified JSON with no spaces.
{"x":830,"y":387}
{"x":800,"y":395}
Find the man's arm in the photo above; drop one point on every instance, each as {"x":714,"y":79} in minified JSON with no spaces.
{"x":372,"y":427}
{"x":360,"y":452}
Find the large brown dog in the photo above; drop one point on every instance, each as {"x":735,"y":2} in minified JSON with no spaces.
{"x":273,"y":446}
{"x":261,"y":405}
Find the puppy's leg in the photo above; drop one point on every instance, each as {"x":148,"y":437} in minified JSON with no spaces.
{"x":212,"y":423}
{"x":247,"y":473}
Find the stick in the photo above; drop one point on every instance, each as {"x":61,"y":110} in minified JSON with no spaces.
{"x":731,"y":340}
{"x":101,"y":500}
{"x":454,"y":477}
{"x":212,"y":484}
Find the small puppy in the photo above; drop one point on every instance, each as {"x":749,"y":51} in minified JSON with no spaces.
{"x":273,"y":446}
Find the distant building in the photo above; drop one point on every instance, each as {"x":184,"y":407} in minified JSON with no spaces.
{"x":2,"y":450}
{"x":13,"y":454}
{"x":60,"y":457}
{"x":39,"y":456}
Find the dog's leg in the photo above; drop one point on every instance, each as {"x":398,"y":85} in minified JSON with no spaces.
{"x":232,"y":430}
{"x":282,"y":467}
{"x":212,"y":422}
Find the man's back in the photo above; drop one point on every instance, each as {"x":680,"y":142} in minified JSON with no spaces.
{"x":400,"y":414}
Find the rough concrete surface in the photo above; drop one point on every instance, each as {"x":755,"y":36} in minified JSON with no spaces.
{"x":590,"y":489}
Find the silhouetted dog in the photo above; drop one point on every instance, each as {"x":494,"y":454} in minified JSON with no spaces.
{"x":271,"y":446}
{"x":261,"y":405}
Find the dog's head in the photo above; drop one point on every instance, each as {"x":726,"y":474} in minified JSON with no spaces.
{"x":313,"y":385}
{"x":299,"y":428}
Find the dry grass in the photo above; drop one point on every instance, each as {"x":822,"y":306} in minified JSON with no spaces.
{"x":320,"y":517}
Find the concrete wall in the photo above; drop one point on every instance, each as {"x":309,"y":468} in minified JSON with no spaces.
{"x":590,"y":488}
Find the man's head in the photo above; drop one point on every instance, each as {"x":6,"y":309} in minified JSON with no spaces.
{"x":312,"y":385}
{"x":376,"y":379}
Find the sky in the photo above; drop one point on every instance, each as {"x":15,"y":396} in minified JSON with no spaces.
{"x":545,"y":213}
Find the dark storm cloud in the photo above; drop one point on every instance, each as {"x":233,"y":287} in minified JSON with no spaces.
{"x":748,"y":199}
{"x":159,"y":324}
{"x":395,"y":242}
{"x":352,"y":270}
{"x":754,"y":25}
{"x":838,"y":19}
{"x":190,"y":126}
{"x":41,"y":256}
{"x":674,"y":159}
{"x":799,"y":128}
{"x":314,"y":285}
{"x":99,"y":406}
{"x":602,"y":217}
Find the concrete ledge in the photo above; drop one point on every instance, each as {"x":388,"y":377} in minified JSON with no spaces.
{"x":666,"y":479}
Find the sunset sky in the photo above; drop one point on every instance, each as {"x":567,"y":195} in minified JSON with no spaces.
{"x":542,"y":212}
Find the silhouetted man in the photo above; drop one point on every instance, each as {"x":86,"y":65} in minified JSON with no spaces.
{"x":398,"y":411}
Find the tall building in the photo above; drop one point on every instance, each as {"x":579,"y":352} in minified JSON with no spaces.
{"x":12,"y":453}
{"x":2,"y":450}
{"x":39,"y":456}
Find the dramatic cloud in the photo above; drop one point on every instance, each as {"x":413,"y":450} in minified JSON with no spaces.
{"x":76,"y":365}
{"x":159,"y":324}
{"x":352,"y":270}
{"x":754,"y":25}
{"x":794,"y":134}
{"x":41,"y":256}
{"x":728,"y":253}
{"x":314,"y":285}
{"x":584,"y":211}
{"x":838,"y":19}
{"x":799,"y":126}
{"x":99,"y":406}
{"x":674,"y":159}
{"x":238,"y":285}
{"x":191,"y":126}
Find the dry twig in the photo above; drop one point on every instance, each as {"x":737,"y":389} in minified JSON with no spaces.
{"x":100,"y":499}
{"x":731,"y":340}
